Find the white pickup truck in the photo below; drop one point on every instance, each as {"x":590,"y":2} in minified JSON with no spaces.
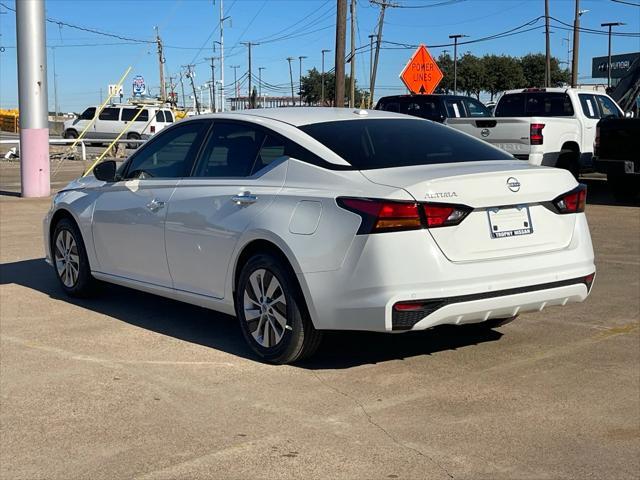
{"x":552,"y":126}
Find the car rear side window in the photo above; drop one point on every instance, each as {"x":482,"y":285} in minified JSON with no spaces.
{"x":160,"y":116}
{"x":109,"y":114}
{"x":588,"y":105}
{"x":128,"y":114}
{"x":231,"y":151}
{"x":385,"y":143}
{"x":535,"y":104}
{"x":476,"y":109}
{"x":168,"y":116}
{"x":454,"y":108}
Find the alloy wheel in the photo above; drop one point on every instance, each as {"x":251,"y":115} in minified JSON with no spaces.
{"x":67,"y":259}
{"x":265,"y":308}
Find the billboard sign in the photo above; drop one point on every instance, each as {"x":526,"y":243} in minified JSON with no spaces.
{"x":619,"y":65}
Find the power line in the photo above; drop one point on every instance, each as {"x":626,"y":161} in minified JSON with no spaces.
{"x":627,"y":3}
{"x":431,"y":5}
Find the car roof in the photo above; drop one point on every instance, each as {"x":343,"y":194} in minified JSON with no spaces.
{"x":428,"y":95}
{"x":299,"y":116}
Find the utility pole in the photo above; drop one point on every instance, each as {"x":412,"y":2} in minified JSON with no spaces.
{"x":383,"y":6}
{"x":235,"y":81}
{"x":161,"y":61}
{"x":352,"y":61}
{"x":576,"y":46}
{"x":293,"y":99}
{"x":182,"y":89}
{"x":260,"y":83}
{"x":302,"y":57}
{"x":222,"y":19}
{"x":322,"y":78}
{"x":341,"y":31}
{"x":190,"y":74}
{"x":610,"y":24}
{"x":32,"y":99}
{"x":547,"y":65}
{"x":371,"y":37}
{"x":249,"y":44}
{"x":212,"y":87}
{"x":172,"y":87}
{"x":455,"y":60}
{"x":56,"y":106}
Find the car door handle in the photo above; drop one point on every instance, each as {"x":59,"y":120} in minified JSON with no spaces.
{"x":245,"y":198}
{"x":155,"y":205}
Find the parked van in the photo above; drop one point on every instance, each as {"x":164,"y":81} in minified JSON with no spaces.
{"x":113,"y":119}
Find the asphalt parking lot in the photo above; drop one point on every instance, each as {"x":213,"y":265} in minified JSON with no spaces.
{"x":128,"y":385}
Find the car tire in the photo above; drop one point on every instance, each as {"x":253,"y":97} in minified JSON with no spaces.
{"x":70,"y":134}
{"x":569,"y":160}
{"x":272,"y":312}
{"x":70,"y":261}
{"x":133,"y":136}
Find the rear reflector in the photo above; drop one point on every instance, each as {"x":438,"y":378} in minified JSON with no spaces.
{"x":588,"y":280}
{"x":392,"y":216}
{"x":573,"y":201}
{"x":535,"y":134}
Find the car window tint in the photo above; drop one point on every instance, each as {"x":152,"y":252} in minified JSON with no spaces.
{"x":607,"y":107}
{"x":588,"y":105}
{"x":170,"y":154}
{"x":476,"y":109}
{"x":128,"y":114}
{"x":535,"y":104}
{"x":421,"y":107}
{"x":273,"y":147}
{"x":454,"y":108}
{"x":384,"y":143}
{"x":160,"y":116}
{"x":230,"y":151}
{"x":389,"y":106}
{"x":169,"y":116}
{"x":109,"y":114}
{"x":88,"y":114}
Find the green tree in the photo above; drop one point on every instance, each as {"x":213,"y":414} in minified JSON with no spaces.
{"x":445,"y":63}
{"x":471,"y":75}
{"x":502,"y":73}
{"x":533,"y":67}
{"x":312,"y":88}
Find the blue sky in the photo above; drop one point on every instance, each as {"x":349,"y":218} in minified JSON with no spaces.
{"x":286,"y":28}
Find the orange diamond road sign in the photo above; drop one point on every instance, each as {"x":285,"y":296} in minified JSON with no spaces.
{"x":421,"y":75}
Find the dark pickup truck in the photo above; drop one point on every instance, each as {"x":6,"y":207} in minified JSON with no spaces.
{"x":617,"y":153}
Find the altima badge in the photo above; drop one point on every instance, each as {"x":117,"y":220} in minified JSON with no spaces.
{"x":513,"y":184}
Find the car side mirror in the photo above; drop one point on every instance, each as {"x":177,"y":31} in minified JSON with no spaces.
{"x":105,"y":171}
{"x":628,"y":114}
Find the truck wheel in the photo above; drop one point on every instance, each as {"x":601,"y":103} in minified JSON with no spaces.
{"x":569,"y":160}
{"x":625,"y":188}
{"x":70,"y":134}
{"x":133,"y":136}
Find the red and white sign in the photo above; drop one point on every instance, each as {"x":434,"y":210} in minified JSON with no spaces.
{"x":422,"y":74}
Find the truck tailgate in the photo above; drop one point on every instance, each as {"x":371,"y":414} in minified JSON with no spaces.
{"x":509,"y":134}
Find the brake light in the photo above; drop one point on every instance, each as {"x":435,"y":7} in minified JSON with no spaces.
{"x":573,"y":201}
{"x":535,"y":134}
{"x":383,"y":216}
{"x":532,"y":90}
{"x":392,"y":216}
{"x":439,"y":215}
{"x":153,"y":129}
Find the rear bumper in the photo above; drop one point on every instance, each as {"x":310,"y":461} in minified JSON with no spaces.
{"x":617,"y":167}
{"x":381,"y":270}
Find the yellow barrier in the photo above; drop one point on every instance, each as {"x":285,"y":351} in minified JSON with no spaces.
{"x":9,"y":120}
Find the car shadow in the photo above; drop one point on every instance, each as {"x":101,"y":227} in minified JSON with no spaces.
{"x":599,"y":193}
{"x":200,"y":326}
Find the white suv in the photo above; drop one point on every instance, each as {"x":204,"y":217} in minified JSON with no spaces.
{"x":114,"y":119}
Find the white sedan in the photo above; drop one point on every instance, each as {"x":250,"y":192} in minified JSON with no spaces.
{"x":301,"y":220}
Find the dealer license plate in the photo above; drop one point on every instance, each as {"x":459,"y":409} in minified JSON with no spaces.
{"x":509,"y":221}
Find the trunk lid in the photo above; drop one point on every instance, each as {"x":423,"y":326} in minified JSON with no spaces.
{"x":503,"y":194}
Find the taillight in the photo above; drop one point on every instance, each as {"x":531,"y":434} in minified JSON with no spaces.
{"x":393,"y":216}
{"x":439,"y":215}
{"x":573,"y":201}
{"x":535,"y":134}
{"x":153,"y":129}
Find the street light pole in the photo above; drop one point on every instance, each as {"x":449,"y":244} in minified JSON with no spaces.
{"x":300,"y":78}
{"x":610,"y":25}
{"x":322,"y":79}
{"x":455,"y":61}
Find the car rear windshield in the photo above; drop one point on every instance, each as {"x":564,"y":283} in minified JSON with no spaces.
{"x":383,"y":143}
{"x":535,"y":104}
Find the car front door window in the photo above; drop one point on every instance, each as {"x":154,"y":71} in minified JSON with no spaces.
{"x":169,"y":155}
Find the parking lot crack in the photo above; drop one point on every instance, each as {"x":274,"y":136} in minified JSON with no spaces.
{"x":380,"y":427}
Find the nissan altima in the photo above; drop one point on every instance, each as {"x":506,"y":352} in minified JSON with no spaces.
{"x":300,"y":220}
